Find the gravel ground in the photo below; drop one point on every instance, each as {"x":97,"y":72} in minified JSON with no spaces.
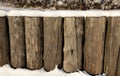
{"x":65,"y":4}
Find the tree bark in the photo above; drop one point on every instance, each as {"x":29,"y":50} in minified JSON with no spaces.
{"x":112,"y":46}
{"x":17,"y":41}
{"x":94,"y":44}
{"x":4,"y":42}
{"x":52,"y":42}
{"x":34,"y":42}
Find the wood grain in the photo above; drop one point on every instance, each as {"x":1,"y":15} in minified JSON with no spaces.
{"x":94,"y":44}
{"x":4,"y":42}
{"x":52,"y":42}
{"x":17,"y":41}
{"x":73,"y":33}
{"x":34,"y":42}
{"x":112,"y":46}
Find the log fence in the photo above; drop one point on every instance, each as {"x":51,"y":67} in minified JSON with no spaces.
{"x":73,"y":43}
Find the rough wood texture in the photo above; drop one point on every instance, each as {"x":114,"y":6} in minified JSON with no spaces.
{"x":73,"y":31}
{"x":52,"y":42}
{"x":17,"y":41}
{"x":34,"y":42}
{"x":79,"y":34}
{"x":94,"y":44}
{"x":118,"y":65}
{"x":4,"y":44}
{"x":112,"y":46}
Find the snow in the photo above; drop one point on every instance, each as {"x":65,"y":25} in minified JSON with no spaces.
{"x":6,"y":70}
{"x":57,"y":13}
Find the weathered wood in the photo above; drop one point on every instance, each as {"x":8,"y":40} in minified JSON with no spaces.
{"x":34,"y":42}
{"x":73,"y":31}
{"x":4,"y":44}
{"x":52,"y":42}
{"x":94,"y":44}
{"x":118,"y":64}
{"x":79,"y":34}
{"x":112,"y":46}
{"x":17,"y":41}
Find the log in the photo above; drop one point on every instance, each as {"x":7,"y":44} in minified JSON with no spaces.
{"x":118,"y":65}
{"x":4,"y":42}
{"x":52,"y":42}
{"x":73,"y":33}
{"x":79,"y":34}
{"x":34,"y":42}
{"x":112,"y":46}
{"x":94,"y":44}
{"x":17,"y":41}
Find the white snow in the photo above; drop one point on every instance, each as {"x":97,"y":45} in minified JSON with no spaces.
{"x":57,"y":13}
{"x":6,"y":70}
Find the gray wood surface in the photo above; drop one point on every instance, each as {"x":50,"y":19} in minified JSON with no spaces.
{"x":34,"y":42}
{"x":73,"y":31}
{"x":17,"y":41}
{"x":94,"y":44}
{"x":52,"y":42}
{"x":112,"y":46}
{"x":4,"y":42}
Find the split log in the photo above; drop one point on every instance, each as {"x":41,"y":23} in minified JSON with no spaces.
{"x":52,"y":42}
{"x":34,"y":42}
{"x":17,"y":41}
{"x":112,"y":46}
{"x":4,"y":42}
{"x":73,"y":31}
{"x":94,"y":44}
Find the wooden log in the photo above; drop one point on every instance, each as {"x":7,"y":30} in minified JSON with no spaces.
{"x":118,"y":65}
{"x":79,"y":34}
{"x":4,"y":42}
{"x":34,"y":42}
{"x":73,"y":33}
{"x":52,"y":42}
{"x":17,"y":41}
{"x":94,"y":44}
{"x":112,"y":46}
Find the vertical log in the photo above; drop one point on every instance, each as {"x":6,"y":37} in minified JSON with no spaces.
{"x":52,"y":42}
{"x":112,"y":46}
{"x":73,"y":30}
{"x":4,"y":44}
{"x":79,"y":34}
{"x":17,"y":41}
{"x":94,"y":44}
{"x":118,"y":65}
{"x":34,"y":42}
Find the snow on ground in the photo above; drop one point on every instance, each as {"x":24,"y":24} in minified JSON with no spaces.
{"x":6,"y":70}
{"x":57,"y":13}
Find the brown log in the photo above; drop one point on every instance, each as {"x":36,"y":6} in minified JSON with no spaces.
{"x":4,"y":44}
{"x":17,"y":41}
{"x":34,"y":42}
{"x":52,"y":42}
{"x":112,"y":46}
{"x":73,"y":31}
{"x":79,"y":33}
{"x":118,"y":65}
{"x":94,"y":44}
